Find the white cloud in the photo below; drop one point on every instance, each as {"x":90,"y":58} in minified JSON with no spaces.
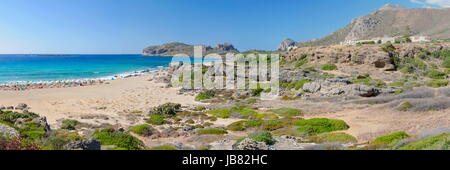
{"x":434,"y":3}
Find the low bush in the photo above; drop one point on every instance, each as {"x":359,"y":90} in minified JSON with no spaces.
{"x":328,"y":67}
{"x":212,"y":131}
{"x":341,"y":138}
{"x":168,"y":109}
{"x":287,"y":111}
{"x":297,"y":84}
{"x":69,"y":124}
{"x":119,"y":139}
{"x":434,"y":74}
{"x":11,"y":117}
{"x":220,"y":113}
{"x":439,"y":142}
{"x":404,"y":106}
{"x":390,"y":139}
{"x":156,"y":120}
{"x":202,"y":96}
{"x":264,"y":137}
{"x":164,"y":147}
{"x":320,"y":125}
{"x":199,"y":108}
{"x":142,"y":130}
{"x":436,"y":83}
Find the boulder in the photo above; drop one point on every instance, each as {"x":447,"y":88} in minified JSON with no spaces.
{"x":8,"y":132}
{"x":84,"y":145}
{"x":250,"y":144}
{"x":21,"y":106}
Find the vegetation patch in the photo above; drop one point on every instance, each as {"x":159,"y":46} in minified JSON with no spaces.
{"x":220,"y":113}
{"x":287,"y":111}
{"x":168,"y":109}
{"x":156,"y":120}
{"x":110,"y":136}
{"x":436,"y":83}
{"x":212,"y":131}
{"x":339,"y":137}
{"x":69,"y":124}
{"x":297,"y":84}
{"x":404,"y":106}
{"x":142,"y":130}
{"x":434,"y":74}
{"x":164,"y":147}
{"x":439,"y":142}
{"x":320,"y":125}
{"x":264,"y":137}
{"x":390,"y":139}
{"x":328,"y":67}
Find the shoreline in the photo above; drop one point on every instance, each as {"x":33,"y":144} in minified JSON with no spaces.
{"x":64,"y":83}
{"x":121,"y":102}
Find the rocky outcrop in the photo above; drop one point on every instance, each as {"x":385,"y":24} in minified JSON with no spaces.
{"x":8,"y":132}
{"x":286,"y":44}
{"x":334,"y":87}
{"x":84,"y":145}
{"x":250,"y":144}
{"x":174,"y":48}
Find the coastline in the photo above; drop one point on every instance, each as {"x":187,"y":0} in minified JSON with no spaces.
{"x":120,"y":102}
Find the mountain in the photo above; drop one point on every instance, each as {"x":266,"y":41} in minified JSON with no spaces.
{"x":173,"y":48}
{"x":391,"y":20}
{"x":286,"y":43}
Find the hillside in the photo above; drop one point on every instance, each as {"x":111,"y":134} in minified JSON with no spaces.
{"x":391,"y":20}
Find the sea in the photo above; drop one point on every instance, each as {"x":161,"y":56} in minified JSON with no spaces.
{"x":24,"y":68}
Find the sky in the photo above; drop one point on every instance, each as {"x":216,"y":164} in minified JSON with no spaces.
{"x":128,"y":26}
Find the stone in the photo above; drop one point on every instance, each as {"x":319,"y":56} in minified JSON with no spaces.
{"x":8,"y":132}
{"x":21,"y":106}
{"x":250,"y":144}
{"x":84,"y":145}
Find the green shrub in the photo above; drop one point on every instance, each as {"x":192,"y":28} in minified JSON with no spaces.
{"x":200,"y":108}
{"x":265,"y":137}
{"x":297,"y":84}
{"x":301,"y":62}
{"x":33,"y":130}
{"x":168,"y":109}
{"x":110,"y":136}
{"x":370,"y":82}
{"x":339,"y":137}
{"x":142,"y":130}
{"x":164,"y":147}
{"x":237,"y":126}
{"x":69,"y":124}
{"x":390,"y":139}
{"x":404,"y":106}
{"x":220,"y":113}
{"x":56,"y":142}
{"x":11,"y":117}
{"x":212,"y":131}
{"x":328,"y":67}
{"x":245,"y":112}
{"x":436,"y":83}
{"x":439,"y":142}
{"x":446,"y":62}
{"x":388,"y":47}
{"x":320,"y":125}
{"x":434,"y":74}
{"x":156,"y":120}
{"x":287,"y":111}
{"x":201,"y":97}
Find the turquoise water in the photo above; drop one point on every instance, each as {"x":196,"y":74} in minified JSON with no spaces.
{"x":14,"y":68}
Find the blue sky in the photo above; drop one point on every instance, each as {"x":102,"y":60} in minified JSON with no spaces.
{"x":128,"y":26}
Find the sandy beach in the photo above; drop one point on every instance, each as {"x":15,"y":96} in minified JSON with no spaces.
{"x":119,"y":102}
